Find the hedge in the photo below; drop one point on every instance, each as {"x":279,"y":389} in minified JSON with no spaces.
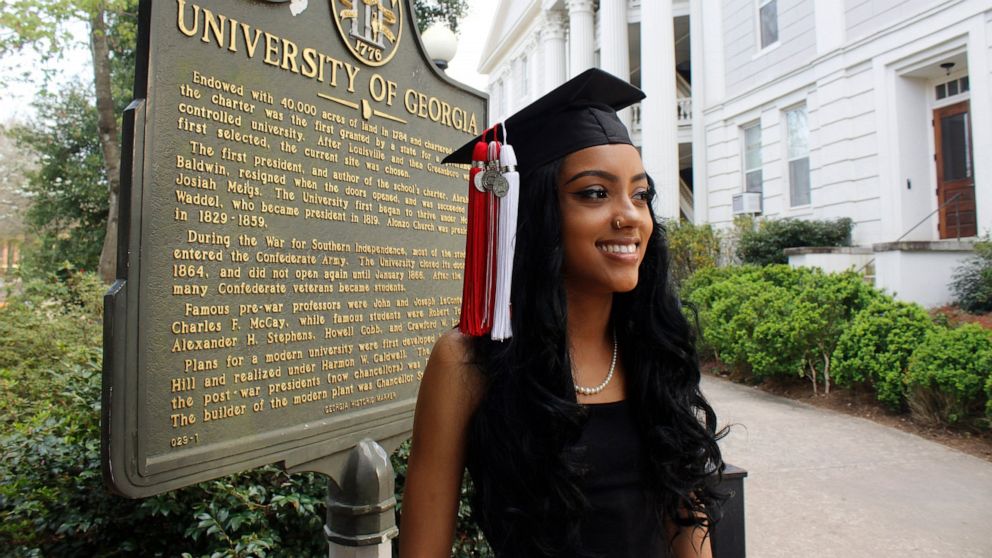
{"x":776,"y":320}
{"x":874,"y":349}
{"x":948,"y":375}
{"x":691,"y":248}
{"x":764,"y":244}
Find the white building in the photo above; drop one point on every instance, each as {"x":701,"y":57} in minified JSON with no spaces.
{"x":877,"y":110}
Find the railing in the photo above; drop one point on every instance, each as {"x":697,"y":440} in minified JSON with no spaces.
{"x":957,"y":213}
{"x":957,"y":216}
{"x":684,"y":108}
{"x":635,"y":118}
{"x":683,"y":114}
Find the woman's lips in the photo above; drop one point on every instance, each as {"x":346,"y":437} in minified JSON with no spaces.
{"x":619,"y":248}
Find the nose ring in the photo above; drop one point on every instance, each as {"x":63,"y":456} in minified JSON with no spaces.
{"x":616,"y":224}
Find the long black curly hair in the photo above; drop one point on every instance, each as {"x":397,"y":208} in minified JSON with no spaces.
{"x":521,"y":452}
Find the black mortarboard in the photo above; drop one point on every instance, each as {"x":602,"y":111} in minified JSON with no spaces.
{"x":578,"y":114}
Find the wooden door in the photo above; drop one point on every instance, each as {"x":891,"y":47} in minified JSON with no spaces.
{"x":955,"y":171}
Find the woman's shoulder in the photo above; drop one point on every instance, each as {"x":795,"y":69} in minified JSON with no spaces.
{"x":452,"y":348}
{"x":451,"y":369}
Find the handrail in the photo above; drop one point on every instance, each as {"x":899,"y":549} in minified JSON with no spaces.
{"x":682,"y":86}
{"x":686,"y":200}
{"x":953,"y":199}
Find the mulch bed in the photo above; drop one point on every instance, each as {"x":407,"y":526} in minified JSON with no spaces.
{"x":862,"y":403}
{"x":955,"y":316}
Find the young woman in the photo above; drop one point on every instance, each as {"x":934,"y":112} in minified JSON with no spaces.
{"x":585,"y":433}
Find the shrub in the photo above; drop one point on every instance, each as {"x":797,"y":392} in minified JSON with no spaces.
{"x":740,"y":306}
{"x":700,"y":292}
{"x":764,"y":244}
{"x":53,"y":325}
{"x":946,"y":374}
{"x":708,"y":276}
{"x":691,"y":248}
{"x":53,"y":503}
{"x":971,"y":283}
{"x":988,"y":396}
{"x":776,"y":320}
{"x":826,"y":305}
{"x":875,"y":348}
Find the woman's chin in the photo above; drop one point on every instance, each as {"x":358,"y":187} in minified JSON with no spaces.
{"x":625,"y":285}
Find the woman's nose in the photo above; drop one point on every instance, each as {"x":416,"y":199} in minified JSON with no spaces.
{"x":628,"y":212}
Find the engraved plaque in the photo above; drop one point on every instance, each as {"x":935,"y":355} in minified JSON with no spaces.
{"x":290,"y":244}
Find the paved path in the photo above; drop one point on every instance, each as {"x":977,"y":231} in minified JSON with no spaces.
{"x":822,"y":484}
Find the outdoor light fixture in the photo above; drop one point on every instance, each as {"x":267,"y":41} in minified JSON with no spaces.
{"x":947,"y":67}
{"x":440,"y":43}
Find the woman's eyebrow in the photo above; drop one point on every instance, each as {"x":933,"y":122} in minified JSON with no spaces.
{"x":596,"y":173}
{"x":605,"y":175}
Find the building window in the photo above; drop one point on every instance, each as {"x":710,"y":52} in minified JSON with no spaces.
{"x":798,"y":156}
{"x":768,"y":22}
{"x":952,"y":88}
{"x":752,"y":158}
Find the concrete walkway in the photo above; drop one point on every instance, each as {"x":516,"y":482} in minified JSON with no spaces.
{"x":822,"y":484}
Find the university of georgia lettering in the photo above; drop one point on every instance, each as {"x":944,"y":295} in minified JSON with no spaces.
{"x":291,"y":245}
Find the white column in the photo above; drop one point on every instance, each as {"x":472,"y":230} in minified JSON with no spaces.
{"x":613,"y":44}
{"x":713,"y":55}
{"x":553,"y":49}
{"x":659,"y":126}
{"x":582,"y":36}
{"x":981,"y":111}
{"x":700,"y":190}
{"x":830,"y":25}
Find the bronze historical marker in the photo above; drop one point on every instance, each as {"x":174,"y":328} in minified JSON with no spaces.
{"x":290,"y":244}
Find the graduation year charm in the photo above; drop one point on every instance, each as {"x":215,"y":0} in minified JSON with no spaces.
{"x":500,"y":185}
{"x":488,"y":178}
{"x":477,"y":181}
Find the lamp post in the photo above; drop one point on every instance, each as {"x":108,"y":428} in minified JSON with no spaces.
{"x":440,"y":43}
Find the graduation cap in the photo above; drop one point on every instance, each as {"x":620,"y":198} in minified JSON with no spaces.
{"x":578,"y":114}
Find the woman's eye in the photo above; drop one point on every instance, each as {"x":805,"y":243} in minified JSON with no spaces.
{"x":592,"y":193}
{"x":643,"y":195}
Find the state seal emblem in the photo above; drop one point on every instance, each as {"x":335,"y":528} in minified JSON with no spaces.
{"x":371,"y":28}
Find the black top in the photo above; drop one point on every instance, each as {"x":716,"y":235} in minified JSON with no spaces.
{"x":621,"y":522}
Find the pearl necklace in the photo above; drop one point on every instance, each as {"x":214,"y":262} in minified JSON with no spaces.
{"x":582,"y":390}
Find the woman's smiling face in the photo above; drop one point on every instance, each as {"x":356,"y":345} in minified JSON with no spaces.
{"x":603,"y":195}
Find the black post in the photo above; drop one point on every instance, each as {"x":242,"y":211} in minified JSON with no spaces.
{"x":727,"y":536}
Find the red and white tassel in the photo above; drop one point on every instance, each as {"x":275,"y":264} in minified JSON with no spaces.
{"x":470,"y":322}
{"x":507,"y":241}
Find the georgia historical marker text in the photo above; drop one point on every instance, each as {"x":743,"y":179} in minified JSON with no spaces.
{"x":290,"y":244}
